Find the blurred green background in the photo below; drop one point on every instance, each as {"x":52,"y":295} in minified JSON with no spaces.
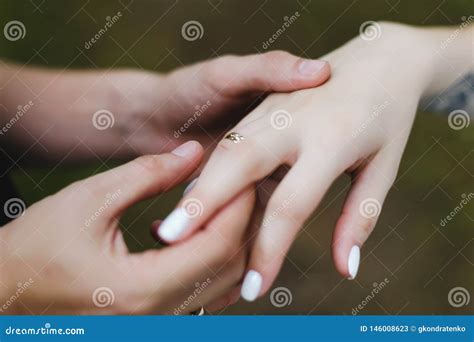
{"x":422,"y":260}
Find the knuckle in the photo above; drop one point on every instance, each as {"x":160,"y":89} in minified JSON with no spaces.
{"x":246,"y":154}
{"x":290,"y":214}
{"x":150,"y":163}
{"x":80,"y":190}
{"x":74,"y":187}
{"x":216,"y":69}
{"x":250,"y":168}
{"x":276,"y":56}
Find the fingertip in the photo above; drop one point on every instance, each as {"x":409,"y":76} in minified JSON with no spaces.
{"x":353,"y":262}
{"x":189,"y":150}
{"x":324,"y":74}
{"x":345,"y":249}
{"x":259,"y":278}
{"x":251,"y":286}
{"x":175,"y":226}
{"x":303,"y":74}
{"x":340,"y":255}
{"x":313,"y":71}
{"x":155,"y":226}
{"x":310,"y":67}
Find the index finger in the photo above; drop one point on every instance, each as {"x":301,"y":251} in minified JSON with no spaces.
{"x":234,"y":165}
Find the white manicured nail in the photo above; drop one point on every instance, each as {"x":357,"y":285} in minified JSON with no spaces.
{"x":251,"y":286}
{"x":174,"y":226}
{"x":189,"y":187}
{"x":353,"y":262}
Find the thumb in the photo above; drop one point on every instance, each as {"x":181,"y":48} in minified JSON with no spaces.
{"x":235,"y":76}
{"x":145,"y":176}
{"x":274,"y":71}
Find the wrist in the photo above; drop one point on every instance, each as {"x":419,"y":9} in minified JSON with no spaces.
{"x":424,"y":60}
{"x":394,"y":59}
{"x":135,"y":97}
{"x":433,"y":57}
{"x":449,"y":52}
{"x":396,"y":54}
{"x":410,"y":54}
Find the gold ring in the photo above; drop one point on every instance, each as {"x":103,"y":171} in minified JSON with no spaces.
{"x":234,"y":137}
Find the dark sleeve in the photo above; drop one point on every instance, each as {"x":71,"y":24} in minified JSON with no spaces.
{"x":459,"y":96}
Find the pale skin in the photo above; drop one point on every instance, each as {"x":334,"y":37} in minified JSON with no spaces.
{"x":357,"y":123}
{"x":56,"y":244}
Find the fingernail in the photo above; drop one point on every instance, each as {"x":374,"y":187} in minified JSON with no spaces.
{"x":309,"y":67}
{"x":189,"y":187}
{"x":174,"y":226}
{"x":185,"y":150}
{"x":251,"y":286}
{"x":353,"y":262}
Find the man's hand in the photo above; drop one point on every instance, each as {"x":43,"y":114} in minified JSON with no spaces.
{"x":126,"y":113}
{"x":67,"y":253}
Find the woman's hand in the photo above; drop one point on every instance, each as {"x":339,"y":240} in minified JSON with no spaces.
{"x":357,"y":123}
{"x":123,"y":113}
{"x":66,"y":254}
